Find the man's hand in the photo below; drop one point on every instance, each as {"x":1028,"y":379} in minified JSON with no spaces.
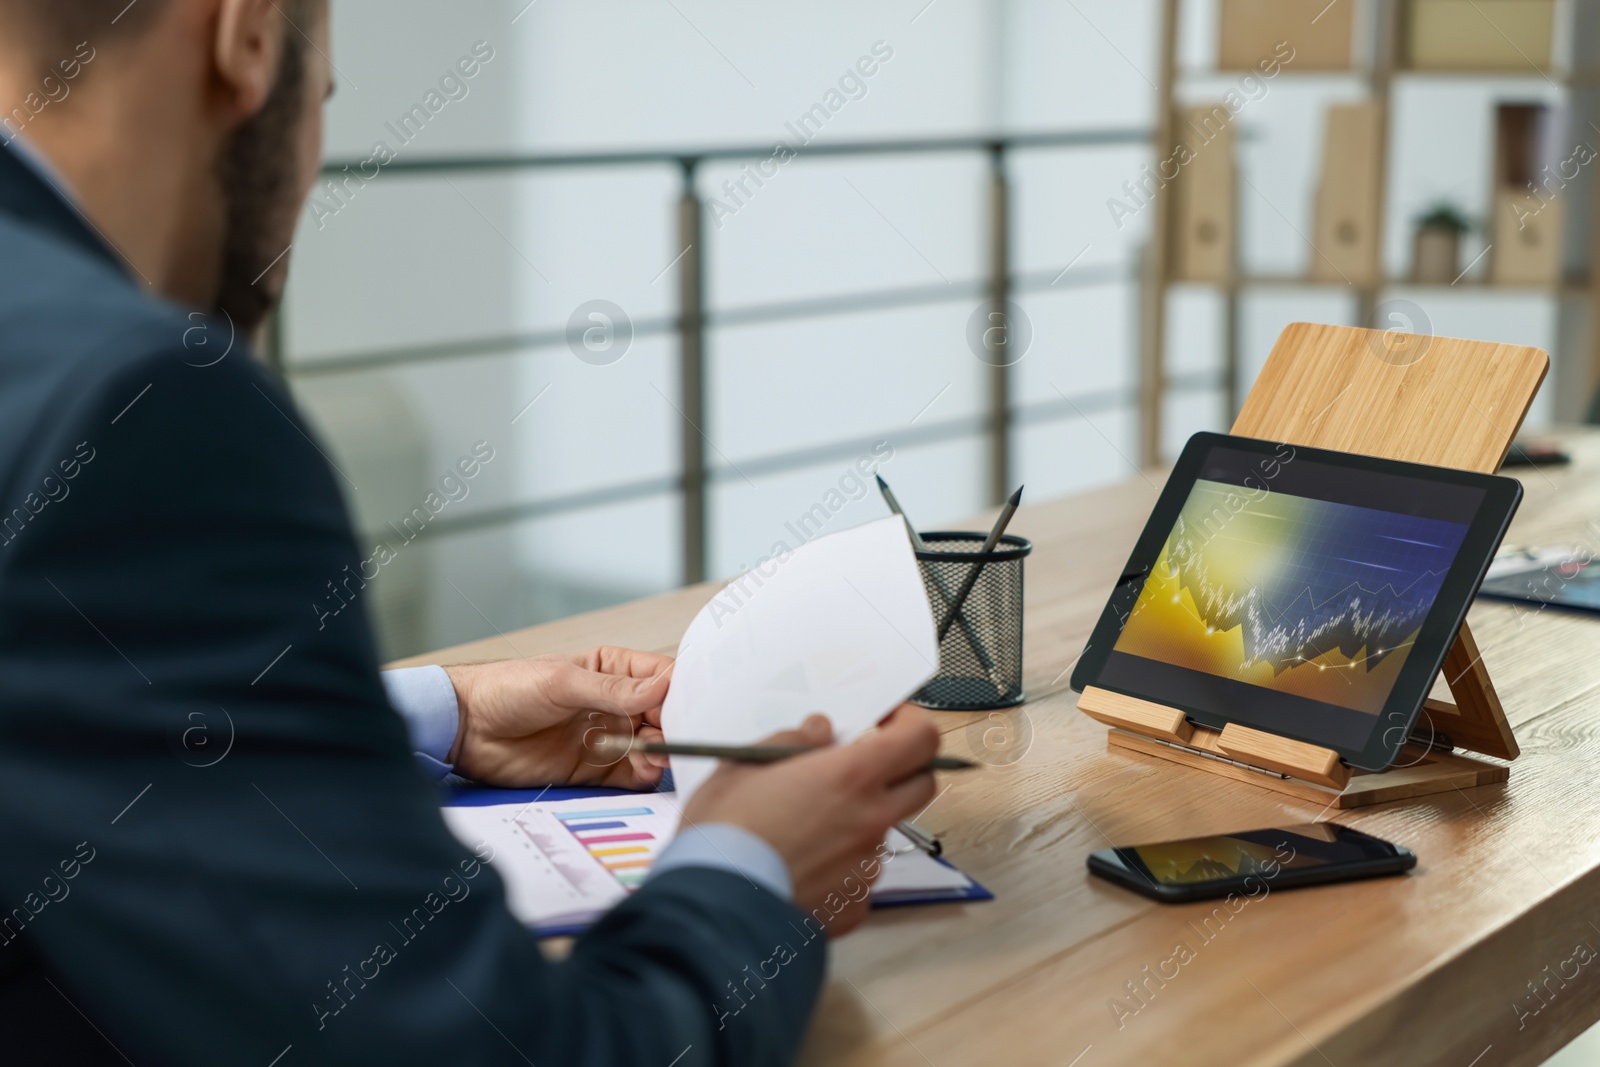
{"x":534,"y":721}
{"x":826,"y":812}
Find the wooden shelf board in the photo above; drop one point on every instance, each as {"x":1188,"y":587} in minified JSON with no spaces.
{"x":1569,"y":287}
{"x":1563,"y":79}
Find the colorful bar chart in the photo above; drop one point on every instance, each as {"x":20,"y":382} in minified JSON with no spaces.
{"x":623,"y":840}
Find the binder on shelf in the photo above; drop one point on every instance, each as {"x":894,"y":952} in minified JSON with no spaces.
{"x":1320,"y":33}
{"x":1204,"y":200}
{"x":1527,"y":240}
{"x":1513,"y":36}
{"x":1526,"y":202}
{"x":1347,"y":241}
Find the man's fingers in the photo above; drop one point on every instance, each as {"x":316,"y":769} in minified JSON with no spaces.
{"x":648,"y":734}
{"x":905,"y":798}
{"x":641,"y":696}
{"x":600,"y":732}
{"x":628,"y":696}
{"x":905,"y":743}
{"x":657,"y":689}
{"x":623,"y":681}
{"x":814,"y":732}
{"x":629,"y":662}
{"x":645,"y":768}
{"x":817,"y":730}
{"x":577,"y":687}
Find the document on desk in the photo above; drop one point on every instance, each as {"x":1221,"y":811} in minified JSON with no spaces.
{"x":840,"y":626}
{"x":566,"y":862}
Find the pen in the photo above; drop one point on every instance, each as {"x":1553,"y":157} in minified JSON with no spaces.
{"x":773,"y":754}
{"x":747,"y":753}
{"x":944,"y":594}
{"x":989,"y":542}
{"x":919,"y":837}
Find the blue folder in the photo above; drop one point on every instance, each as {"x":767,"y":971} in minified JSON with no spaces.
{"x":465,"y":794}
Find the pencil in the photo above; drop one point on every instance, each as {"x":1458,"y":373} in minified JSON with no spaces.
{"x":894,"y":505}
{"x":774,"y":754}
{"x":749,"y":753}
{"x":989,"y":542}
{"x":938,"y":583}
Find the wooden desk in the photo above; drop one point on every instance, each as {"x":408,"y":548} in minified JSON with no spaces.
{"x":1433,"y":968}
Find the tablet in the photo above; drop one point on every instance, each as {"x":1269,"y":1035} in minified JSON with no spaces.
{"x":1309,"y":593}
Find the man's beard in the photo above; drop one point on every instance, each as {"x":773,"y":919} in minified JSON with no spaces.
{"x":259,"y":172}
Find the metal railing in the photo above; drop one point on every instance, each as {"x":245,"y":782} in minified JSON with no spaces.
{"x":693,"y":318}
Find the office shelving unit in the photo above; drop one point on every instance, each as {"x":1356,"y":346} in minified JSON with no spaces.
{"x":1379,"y":61}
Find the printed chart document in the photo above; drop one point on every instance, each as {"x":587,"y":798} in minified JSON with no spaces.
{"x":840,"y":626}
{"x":566,"y":862}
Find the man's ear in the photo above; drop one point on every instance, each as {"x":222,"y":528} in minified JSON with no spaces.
{"x":246,"y":51}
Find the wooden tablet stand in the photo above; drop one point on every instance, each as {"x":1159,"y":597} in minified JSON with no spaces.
{"x":1412,"y":397}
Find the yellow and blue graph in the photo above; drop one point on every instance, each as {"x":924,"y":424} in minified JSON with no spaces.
{"x":1304,"y":596}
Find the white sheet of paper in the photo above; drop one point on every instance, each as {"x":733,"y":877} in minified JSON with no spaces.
{"x":567,"y":862}
{"x":842,"y":626}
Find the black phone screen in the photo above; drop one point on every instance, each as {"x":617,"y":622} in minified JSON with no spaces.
{"x":1264,"y":853}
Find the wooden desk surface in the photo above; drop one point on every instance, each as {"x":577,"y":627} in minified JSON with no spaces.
{"x":1432,"y":968}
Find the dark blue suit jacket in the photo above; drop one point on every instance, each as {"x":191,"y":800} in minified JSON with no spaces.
{"x":164,"y":526}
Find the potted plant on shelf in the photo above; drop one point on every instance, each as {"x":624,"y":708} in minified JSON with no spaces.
{"x":1436,"y":257}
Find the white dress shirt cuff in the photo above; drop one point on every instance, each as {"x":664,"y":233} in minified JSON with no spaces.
{"x":725,"y":847}
{"x":426,"y":699}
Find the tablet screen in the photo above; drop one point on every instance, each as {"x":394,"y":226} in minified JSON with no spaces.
{"x":1289,"y":593}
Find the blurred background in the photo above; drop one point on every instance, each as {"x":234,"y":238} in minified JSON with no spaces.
{"x":677,"y":267}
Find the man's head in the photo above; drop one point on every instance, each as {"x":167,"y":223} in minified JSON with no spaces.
{"x":191,"y":135}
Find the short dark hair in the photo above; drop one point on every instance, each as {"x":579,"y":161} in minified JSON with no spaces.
{"x":60,"y":25}
{"x":53,"y":28}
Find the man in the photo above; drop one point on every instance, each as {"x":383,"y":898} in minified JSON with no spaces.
{"x":279,"y":888}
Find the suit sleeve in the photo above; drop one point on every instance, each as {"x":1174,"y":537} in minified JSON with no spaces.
{"x":257,"y":866}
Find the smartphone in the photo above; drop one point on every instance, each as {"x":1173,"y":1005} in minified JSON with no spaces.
{"x":1250,"y":863}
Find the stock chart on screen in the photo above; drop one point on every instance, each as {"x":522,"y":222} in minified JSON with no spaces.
{"x":1319,"y":599}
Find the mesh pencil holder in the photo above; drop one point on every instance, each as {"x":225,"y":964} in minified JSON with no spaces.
{"x":980,"y":658}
